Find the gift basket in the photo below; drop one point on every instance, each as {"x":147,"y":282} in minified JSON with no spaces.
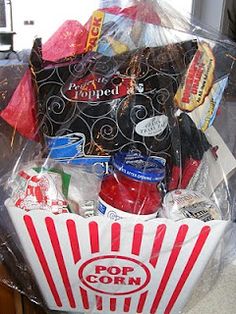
{"x":121,"y":200}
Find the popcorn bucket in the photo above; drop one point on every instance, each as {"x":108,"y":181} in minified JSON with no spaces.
{"x":98,"y":265}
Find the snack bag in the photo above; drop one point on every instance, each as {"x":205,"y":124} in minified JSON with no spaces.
{"x":109,"y":104}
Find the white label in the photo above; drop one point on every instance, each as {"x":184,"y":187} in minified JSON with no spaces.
{"x":113,"y":213}
{"x":180,"y":204}
{"x":182,"y":198}
{"x":152,"y":126}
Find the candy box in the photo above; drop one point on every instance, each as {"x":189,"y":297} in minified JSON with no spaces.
{"x":97,"y":265}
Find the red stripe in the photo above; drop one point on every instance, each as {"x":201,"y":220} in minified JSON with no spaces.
{"x":141,"y":302}
{"x":99,"y":303}
{"x":42,"y":259}
{"x":35,"y":179}
{"x":115,"y":237}
{"x":127,"y":304}
{"x":74,"y":243}
{"x":84,"y":297}
{"x":24,"y":175}
{"x":94,"y":237}
{"x":112,"y":304}
{"x":169,"y":267}
{"x":190,"y":264}
{"x":60,"y":260}
{"x":137,"y":239}
{"x":157,"y":244}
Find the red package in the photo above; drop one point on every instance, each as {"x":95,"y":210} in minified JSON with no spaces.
{"x":68,"y":40}
{"x":20,"y":112}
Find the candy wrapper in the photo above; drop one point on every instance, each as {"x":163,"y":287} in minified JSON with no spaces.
{"x":125,"y":198}
{"x":59,"y":189}
{"x":39,"y":191}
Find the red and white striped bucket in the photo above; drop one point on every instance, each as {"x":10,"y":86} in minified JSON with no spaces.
{"x":101,"y":266}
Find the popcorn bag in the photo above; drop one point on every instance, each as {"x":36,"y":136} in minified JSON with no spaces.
{"x":122,"y":198}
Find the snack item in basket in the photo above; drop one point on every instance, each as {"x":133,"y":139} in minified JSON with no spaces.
{"x":198,"y":80}
{"x":204,"y":115}
{"x":180,"y":204}
{"x":105,"y":35}
{"x":83,"y":189}
{"x":133,"y":187}
{"x":93,"y":105}
{"x":39,"y":191}
{"x":188,"y":149}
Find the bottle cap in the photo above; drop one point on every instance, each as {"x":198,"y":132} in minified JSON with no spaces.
{"x":139,"y":167}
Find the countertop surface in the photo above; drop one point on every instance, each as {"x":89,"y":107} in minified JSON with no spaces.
{"x":221,"y":299}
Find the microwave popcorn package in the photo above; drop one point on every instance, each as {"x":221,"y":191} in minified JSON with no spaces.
{"x":121,"y":195}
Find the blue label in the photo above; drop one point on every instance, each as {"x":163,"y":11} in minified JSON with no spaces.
{"x":67,"y":146}
{"x":70,"y":149}
{"x":53,"y":142}
{"x":102,"y":208}
{"x":139,"y":167}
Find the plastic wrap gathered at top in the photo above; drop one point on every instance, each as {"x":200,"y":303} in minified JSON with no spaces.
{"x":120,"y":196}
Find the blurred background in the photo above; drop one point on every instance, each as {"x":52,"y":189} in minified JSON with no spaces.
{"x":29,"y":18}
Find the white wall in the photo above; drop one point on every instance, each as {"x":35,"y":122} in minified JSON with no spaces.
{"x":215,"y":8}
{"x":210,"y":12}
{"x":183,"y":6}
{"x":48,"y":15}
